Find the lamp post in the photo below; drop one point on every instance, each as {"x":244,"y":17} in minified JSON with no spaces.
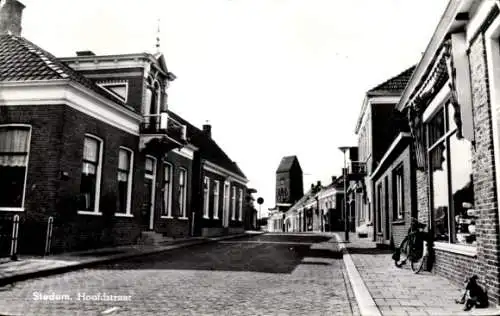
{"x":346,"y":224}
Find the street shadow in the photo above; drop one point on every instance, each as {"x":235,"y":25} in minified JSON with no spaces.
{"x":368,"y":251}
{"x":273,"y":257}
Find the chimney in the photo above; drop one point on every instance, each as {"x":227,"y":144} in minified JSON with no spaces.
{"x":11,"y":12}
{"x":207,"y":129}
{"x":85,"y":53}
{"x":318,"y":184}
{"x":334,"y":178}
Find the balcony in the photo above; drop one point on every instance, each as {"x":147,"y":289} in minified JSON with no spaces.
{"x":356,"y":170}
{"x":161,"y":133}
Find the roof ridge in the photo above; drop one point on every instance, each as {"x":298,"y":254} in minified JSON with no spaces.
{"x":398,"y":76}
{"x":32,"y":48}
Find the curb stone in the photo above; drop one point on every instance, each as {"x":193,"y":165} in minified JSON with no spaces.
{"x":366,"y":304}
{"x":96,"y":261}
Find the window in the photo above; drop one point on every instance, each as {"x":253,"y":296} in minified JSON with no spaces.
{"x":398,"y":191}
{"x":240,"y":204}
{"x":233,"y":203}
{"x":125,"y":163}
{"x":216,"y":200}
{"x":450,"y":171}
{"x":152,"y":104}
{"x":167,"y":190}
{"x":149,"y":185}
{"x":14,"y":149}
{"x":226,"y":201}
{"x":182,"y":192}
{"x":91,"y":175}
{"x":206,"y":197}
{"x":379,"y":208}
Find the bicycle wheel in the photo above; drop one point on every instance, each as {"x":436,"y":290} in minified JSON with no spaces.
{"x":418,"y":259}
{"x":404,"y":249}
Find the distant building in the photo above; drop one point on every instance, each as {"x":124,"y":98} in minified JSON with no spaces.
{"x":289,"y":189}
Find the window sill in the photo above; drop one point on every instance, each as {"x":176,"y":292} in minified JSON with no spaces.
{"x":183,"y":218}
{"x":123,"y":215}
{"x":399,"y":222}
{"x":89,"y":213}
{"x":469,"y":251}
{"x":166,"y":217}
{"x":215,"y":218}
{"x":11,"y":209}
{"x":206,"y":217}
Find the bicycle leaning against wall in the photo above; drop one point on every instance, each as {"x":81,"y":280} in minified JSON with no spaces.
{"x":413,"y":248}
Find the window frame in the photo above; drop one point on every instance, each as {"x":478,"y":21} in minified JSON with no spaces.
{"x":151,"y":177}
{"x":97,"y":197}
{"x":183,"y":206}
{"x":444,"y":140}
{"x":233,"y":202}
{"x":130,"y":177}
{"x":398,"y":192}
{"x":30,"y":129}
{"x":215,"y":215}
{"x":206,"y":197}
{"x":168,"y":211}
{"x":240,"y":208}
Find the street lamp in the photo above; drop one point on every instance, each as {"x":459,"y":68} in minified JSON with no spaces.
{"x":346,"y":227}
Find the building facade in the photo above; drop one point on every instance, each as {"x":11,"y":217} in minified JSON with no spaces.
{"x":375,"y":129}
{"x":89,"y":147}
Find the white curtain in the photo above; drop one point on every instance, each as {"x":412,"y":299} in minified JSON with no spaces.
{"x":13,"y":147}
{"x":91,"y":150}
{"x":123,"y":160}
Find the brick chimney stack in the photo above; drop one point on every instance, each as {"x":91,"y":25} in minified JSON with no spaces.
{"x":207,"y":129}
{"x":11,"y":13}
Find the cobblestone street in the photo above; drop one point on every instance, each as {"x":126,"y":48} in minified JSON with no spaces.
{"x":264,"y":275}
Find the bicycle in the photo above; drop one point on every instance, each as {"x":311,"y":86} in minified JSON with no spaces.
{"x":413,"y":248}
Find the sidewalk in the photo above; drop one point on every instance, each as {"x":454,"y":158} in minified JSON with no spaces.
{"x":35,"y":267}
{"x":383,"y":289}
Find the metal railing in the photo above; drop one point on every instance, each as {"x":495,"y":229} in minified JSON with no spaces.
{"x":162,"y":123}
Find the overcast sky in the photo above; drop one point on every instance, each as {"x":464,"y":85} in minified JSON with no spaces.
{"x":273,"y":77}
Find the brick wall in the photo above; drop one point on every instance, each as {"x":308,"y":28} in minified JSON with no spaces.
{"x":484,"y":172}
{"x":174,"y":227}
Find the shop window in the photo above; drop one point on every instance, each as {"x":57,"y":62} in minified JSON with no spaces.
{"x":240,"y":205}
{"x":233,"y":203}
{"x":14,"y":148}
{"x":450,"y":162}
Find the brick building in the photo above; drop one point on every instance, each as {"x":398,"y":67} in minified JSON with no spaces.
{"x":452,"y":102}
{"x":376,"y":130}
{"x":89,"y":141}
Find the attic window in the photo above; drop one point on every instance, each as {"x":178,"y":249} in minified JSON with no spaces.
{"x":118,"y":89}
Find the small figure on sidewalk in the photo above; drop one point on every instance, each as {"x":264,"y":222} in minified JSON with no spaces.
{"x":474,"y":295}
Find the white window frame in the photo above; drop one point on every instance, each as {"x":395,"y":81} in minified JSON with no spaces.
{"x":184,"y":194}
{"x":233,"y":203}
{"x":226,"y":201}
{"x":216,"y":199}
{"x":206,"y":197}
{"x":128,"y":210}
{"x":169,"y":193}
{"x":98,"y":177}
{"x":21,"y":209}
{"x":106,"y":84}
{"x":240,"y":214}
{"x":399,"y":174}
{"x":153,"y":180}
